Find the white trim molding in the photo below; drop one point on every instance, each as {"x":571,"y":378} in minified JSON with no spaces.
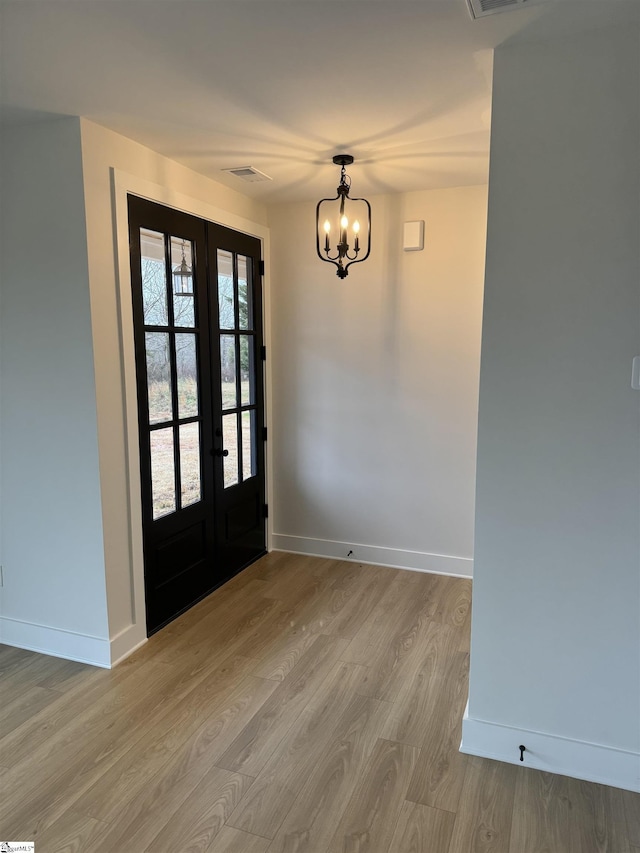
{"x":592,"y":762}
{"x":56,"y":642}
{"x":416,"y":561}
{"x":134,"y":635}
{"x":126,"y":642}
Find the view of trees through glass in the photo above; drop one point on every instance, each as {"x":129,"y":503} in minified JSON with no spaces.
{"x":236,"y":344}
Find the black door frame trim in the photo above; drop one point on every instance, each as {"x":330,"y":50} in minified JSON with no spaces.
{"x":124,"y":557}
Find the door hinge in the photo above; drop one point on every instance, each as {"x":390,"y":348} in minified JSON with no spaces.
{"x":264,"y":433}
{"x":265,"y":511}
{"x":263,"y":353}
{"x":261,"y":268}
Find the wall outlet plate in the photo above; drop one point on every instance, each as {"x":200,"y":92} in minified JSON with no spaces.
{"x":635,"y":373}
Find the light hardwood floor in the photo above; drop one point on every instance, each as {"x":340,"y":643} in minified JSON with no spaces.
{"x":308,"y":706}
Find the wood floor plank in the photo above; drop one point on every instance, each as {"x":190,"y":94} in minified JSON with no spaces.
{"x":355,"y":612}
{"x":418,"y":706}
{"x":224,"y":604}
{"x":631,"y":802}
{"x":12,"y":656}
{"x":399,"y":649}
{"x":344,"y":605}
{"x":370,"y":818}
{"x":77,"y":750}
{"x":483,"y":818}
{"x":222,"y":626}
{"x":299,"y":598}
{"x":200,"y":818}
{"x":453,"y":601}
{"x":291,"y":579}
{"x":252,"y":748}
{"x":281,"y":656}
{"x":421,"y":829}
{"x":64,"y":673}
{"x":328,"y":715}
{"x":441,"y":768}
{"x":343,"y":574}
{"x":316,"y":701}
{"x":135,"y":824}
{"x":215,"y":710}
{"x":570,"y":814}
{"x":320,"y":804}
{"x":557,"y":813}
{"x":322,"y":567}
{"x":101,"y":688}
{"x":393,"y":612}
{"x":259,"y":642}
{"x":27,"y":702}
{"x":268,"y":567}
{"x":601,"y":811}
{"x":231,"y":840}
{"x":91,"y":748}
{"x":33,"y":669}
{"x":360,"y":650}
{"x":71,"y":833}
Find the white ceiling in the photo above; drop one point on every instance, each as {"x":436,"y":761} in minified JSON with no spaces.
{"x":281,"y":85}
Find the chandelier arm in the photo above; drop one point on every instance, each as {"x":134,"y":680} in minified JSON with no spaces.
{"x":364,"y":257}
{"x":329,"y":258}
{"x":319,"y":251}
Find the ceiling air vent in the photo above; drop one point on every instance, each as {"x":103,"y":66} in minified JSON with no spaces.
{"x":248,"y":173}
{"x":480,"y":8}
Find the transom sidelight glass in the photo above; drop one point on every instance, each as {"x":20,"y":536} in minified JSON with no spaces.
{"x":171,"y":347}
{"x":237,"y":366}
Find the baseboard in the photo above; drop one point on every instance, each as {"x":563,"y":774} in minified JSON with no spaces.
{"x":126,"y":642}
{"x":416,"y":561}
{"x":579,"y":759}
{"x":55,"y":641}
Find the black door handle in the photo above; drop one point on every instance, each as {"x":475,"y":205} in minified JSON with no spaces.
{"x":218,"y":451}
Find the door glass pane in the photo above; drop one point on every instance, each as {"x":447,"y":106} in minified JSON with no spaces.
{"x":187,"y":371}
{"x":183,"y":282}
{"x":246,"y":370}
{"x":228,"y":371}
{"x":245,"y":309}
{"x":163,"y":472}
{"x":226,"y":304}
{"x":154,"y":278}
{"x":230,"y":443}
{"x":190,"y":463}
{"x":248,"y":445}
{"x":158,"y":376}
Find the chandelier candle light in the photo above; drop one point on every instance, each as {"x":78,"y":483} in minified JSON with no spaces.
{"x":345,"y":217}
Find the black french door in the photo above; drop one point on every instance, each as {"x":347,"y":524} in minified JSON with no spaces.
{"x":197,"y":308}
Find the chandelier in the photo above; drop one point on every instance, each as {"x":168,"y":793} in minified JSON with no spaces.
{"x":342,"y":224}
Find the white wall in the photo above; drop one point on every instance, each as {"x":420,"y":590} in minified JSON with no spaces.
{"x":375,"y":383}
{"x":71,"y":551}
{"x":53,"y":597}
{"x":111,"y":165}
{"x":555,"y":654}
